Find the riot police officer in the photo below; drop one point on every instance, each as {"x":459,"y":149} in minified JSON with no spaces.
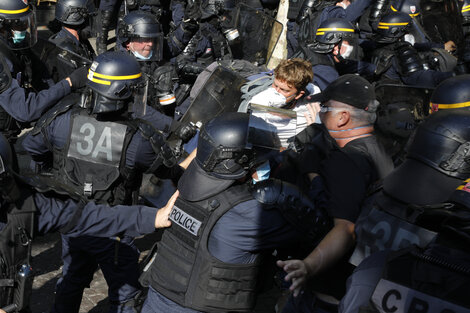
{"x":335,"y":41}
{"x":305,"y":17}
{"x":395,"y":59}
{"x":416,"y":278}
{"x":140,"y":34}
{"x":107,"y":150}
{"x":21,"y":98}
{"x":74,"y":50}
{"x":433,"y":168}
{"x":220,"y":231}
{"x":452,"y":93}
{"x":26,"y":213}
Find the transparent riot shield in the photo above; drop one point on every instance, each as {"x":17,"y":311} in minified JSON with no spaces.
{"x":283,"y":120}
{"x":442,"y":21}
{"x":258,"y":32}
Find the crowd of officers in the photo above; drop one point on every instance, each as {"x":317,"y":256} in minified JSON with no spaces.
{"x":336,"y":182}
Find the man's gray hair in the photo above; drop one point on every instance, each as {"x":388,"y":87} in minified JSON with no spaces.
{"x":363,"y":117}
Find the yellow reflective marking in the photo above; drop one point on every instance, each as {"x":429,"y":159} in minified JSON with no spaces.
{"x":452,"y":106}
{"x":383,"y":27}
{"x":393,"y":24}
{"x":110,"y":77}
{"x":14,"y":11}
{"x":335,"y":29}
{"x":101,"y":82}
{"x":411,"y":14}
{"x":466,"y":8}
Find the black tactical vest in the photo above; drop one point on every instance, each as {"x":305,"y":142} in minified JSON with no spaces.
{"x":92,"y":162}
{"x":413,"y":281}
{"x":388,"y":224}
{"x":184,"y":271}
{"x":15,"y":253}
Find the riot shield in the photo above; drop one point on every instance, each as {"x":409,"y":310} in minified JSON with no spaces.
{"x":400,"y":111}
{"x":283,"y":120}
{"x":442,"y":22}
{"x":220,"y":93}
{"x":258,"y":32}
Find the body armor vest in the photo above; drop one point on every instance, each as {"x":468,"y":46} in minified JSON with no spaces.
{"x":388,"y":224}
{"x":15,"y":254}
{"x":91,"y":165}
{"x":413,"y":281}
{"x":93,"y":159}
{"x":183,"y":269}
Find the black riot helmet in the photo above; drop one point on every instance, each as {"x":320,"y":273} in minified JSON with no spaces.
{"x":228,"y":147}
{"x":74,"y":12}
{"x":410,"y":7}
{"x":17,"y":24}
{"x":116,"y":80}
{"x":332,"y":32}
{"x":141,"y":26}
{"x":211,"y":8}
{"x":392,"y":27}
{"x":452,"y":93}
{"x":466,"y":12}
{"x":437,"y":159}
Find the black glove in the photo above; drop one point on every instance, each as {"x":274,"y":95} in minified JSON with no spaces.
{"x":163,"y":77}
{"x":187,"y":132}
{"x":78,"y":77}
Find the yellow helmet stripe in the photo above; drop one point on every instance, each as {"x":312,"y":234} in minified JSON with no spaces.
{"x":15,"y":11}
{"x":100,"y":81}
{"x":394,"y":24}
{"x":110,"y":77}
{"x":383,"y":27}
{"x":411,"y":14}
{"x":351,"y":30}
{"x":452,"y":106}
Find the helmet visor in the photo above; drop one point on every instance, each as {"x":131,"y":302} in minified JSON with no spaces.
{"x":147,"y":49}
{"x":139,"y":106}
{"x":21,"y":32}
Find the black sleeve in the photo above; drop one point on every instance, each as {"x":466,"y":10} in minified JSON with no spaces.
{"x":345,"y":184}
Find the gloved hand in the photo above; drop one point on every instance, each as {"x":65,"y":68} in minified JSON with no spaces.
{"x":78,"y":78}
{"x":186,"y":132}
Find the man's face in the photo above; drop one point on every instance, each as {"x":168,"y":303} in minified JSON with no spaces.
{"x":142,"y":46}
{"x":288,"y":91}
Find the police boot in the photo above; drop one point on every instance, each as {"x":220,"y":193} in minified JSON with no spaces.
{"x":102,"y":39}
